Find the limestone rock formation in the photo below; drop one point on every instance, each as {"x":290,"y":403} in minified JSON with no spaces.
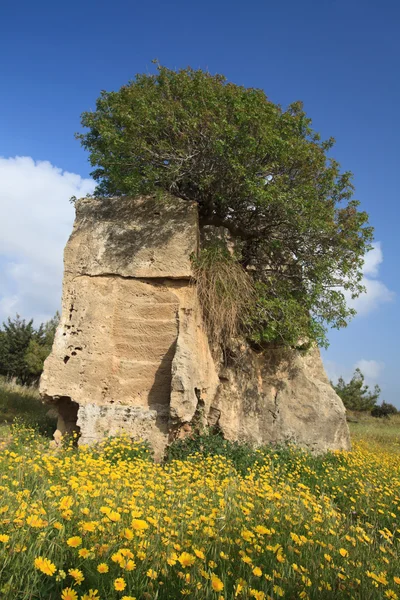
{"x":131,"y":353}
{"x":280,"y":396}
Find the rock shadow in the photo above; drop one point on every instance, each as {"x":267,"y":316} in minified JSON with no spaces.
{"x":159,"y":396}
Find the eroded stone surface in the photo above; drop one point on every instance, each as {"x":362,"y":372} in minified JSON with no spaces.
{"x":133,"y":237}
{"x":131,"y":353}
{"x":280,"y":396}
{"x":115,"y":343}
{"x":98,"y":421}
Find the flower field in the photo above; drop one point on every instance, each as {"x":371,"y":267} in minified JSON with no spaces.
{"x":108,"y":523}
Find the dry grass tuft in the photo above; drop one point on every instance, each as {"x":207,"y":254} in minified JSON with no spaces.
{"x":226,"y":293}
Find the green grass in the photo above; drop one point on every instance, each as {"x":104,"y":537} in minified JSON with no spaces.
{"x":18,"y":403}
{"x":384,"y":431}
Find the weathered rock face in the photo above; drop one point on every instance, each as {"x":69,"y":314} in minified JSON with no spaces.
{"x":280,"y":396}
{"x":131,"y":353}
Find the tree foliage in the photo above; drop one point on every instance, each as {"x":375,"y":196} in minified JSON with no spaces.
{"x":355,"y":394}
{"x":258,"y":170}
{"x":24,"y":348}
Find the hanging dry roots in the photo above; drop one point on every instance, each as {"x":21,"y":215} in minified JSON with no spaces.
{"x":226,"y":294}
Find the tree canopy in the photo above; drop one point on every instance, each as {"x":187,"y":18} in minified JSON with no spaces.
{"x":258,"y":170}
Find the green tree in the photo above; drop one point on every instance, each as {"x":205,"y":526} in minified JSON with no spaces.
{"x":15,"y":337}
{"x":23,"y":349}
{"x":252,"y":167}
{"x":40,"y":347}
{"x":355,"y":394}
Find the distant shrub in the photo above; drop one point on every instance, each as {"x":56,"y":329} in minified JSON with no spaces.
{"x":384,"y":410}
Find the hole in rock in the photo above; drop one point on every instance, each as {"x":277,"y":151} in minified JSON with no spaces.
{"x":200,"y":401}
{"x":67,"y":417}
{"x":66,"y":359}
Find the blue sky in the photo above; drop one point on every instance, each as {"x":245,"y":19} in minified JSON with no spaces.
{"x":341,"y":58}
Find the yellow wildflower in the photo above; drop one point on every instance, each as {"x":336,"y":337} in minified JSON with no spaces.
{"x":216,"y":583}
{"x":152,"y":574}
{"x":114,"y":516}
{"x":91,"y":595}
{"x":89,"y":526}
{"x":127,"y":534}
{"x":45,"y":565}
{"x":69,"y":594}
{"x":186,"y":559}
{"x":119,"y":584}
{"x":66,"y":502}
{"x":77,"y":575}
{"x":262,"y":530}
{"x":257,"y":594}
{"x":139,"y":525}
{"x":74,"y":541}
{"x":278,"y":591}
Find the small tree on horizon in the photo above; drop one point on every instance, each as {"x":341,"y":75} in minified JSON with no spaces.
{"x":258,"y":170}
{"x":355,"y":394}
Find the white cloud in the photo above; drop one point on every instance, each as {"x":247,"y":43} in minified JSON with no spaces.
{"x":372,"y":260}
{"x":334,"y":370}
{"x":36,"y":220}
{"x":371,"y":369}
{"x":376,"y":292}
